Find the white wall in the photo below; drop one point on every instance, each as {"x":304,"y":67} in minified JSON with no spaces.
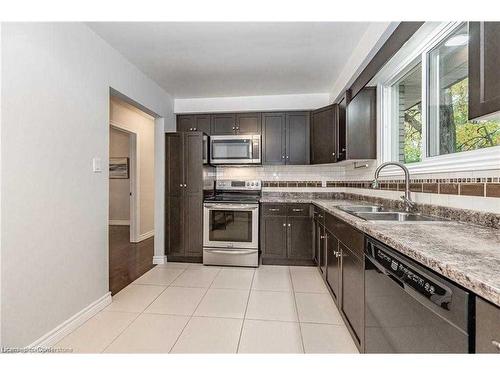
{"x":252,"y":103}
{"x":56,"y":79}
{"x":126,"y":117}
{"x":119,"y":189}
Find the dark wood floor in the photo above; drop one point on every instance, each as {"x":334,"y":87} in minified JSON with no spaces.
{"x":127,"y":261}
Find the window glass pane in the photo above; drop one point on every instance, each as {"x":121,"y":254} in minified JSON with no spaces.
{"x":449,"y":129}
{"x":408,"y":137}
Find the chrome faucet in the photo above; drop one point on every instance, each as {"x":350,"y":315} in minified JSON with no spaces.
{"x":409,"y":204}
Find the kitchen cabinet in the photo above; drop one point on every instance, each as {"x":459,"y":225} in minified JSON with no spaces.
{"x":184,"y":195}
{"x":286,"y":234}
{"x":186,"y":123}
{"x":484,"y":72}
{"x":324,"y":135}
{"x":333,"y":258}
{"x":361,"y":125}
{"x":319,"y":243}
{"x":236,"y":123}
{"x":487,"y":327}
{"x":285,"y":138}
{"x":352,"y":273}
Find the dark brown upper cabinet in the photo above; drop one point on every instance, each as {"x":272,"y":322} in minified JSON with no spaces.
{"x":236,"y":123}
{"x":193,"y":123}
{"x":324,"y":135}
{"x":484,"y":68}
{"x":285,"y":138}
{"x":361,"y":125}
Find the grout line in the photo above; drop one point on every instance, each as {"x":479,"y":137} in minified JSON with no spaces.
{"x":297,"y":311}
{"x":142,"y":312}
{"x":194,"y":310}
{"x":245,"y":314}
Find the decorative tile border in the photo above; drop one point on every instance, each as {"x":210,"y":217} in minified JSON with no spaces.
{"x":477,"y":187}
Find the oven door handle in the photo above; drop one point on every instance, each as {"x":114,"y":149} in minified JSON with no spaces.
{"x":231,"y":252}
{"x":231,"y":207}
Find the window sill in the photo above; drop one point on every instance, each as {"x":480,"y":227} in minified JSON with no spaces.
{"x":477,"y":160}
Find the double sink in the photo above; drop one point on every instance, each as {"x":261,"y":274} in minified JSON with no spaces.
{"x":378,"y":213}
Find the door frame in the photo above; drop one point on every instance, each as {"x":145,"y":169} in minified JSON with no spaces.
{"x":134,"y":219}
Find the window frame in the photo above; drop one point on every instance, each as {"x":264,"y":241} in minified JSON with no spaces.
{"x":415,"y":51}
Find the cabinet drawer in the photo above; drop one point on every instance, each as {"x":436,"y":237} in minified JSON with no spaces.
{"x":349,"y":236}
{"x":298,"y":209}
{"x":274,"y":209}
{"x":318,"y":215}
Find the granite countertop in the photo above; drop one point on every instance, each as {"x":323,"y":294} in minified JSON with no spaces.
{"x":465,"y":253}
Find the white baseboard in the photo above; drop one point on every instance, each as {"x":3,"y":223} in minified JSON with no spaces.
{"x":145,"y":236}
{"x":119,"y":222}
{"x":63,"y":329}
{"x":159,"y":259}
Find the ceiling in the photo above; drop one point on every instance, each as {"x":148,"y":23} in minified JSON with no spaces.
{"x":192,"y":60}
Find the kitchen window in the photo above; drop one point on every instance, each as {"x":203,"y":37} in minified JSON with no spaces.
{"x":423,"y":95}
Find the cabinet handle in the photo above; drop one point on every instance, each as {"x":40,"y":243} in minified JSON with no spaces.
{"x":283,"y":157}
{"x":195,"y":129}
{"x":274,"y":209}
{"x":284,"y":224}
{"x":180,"y":185}
{"x":320,"y":215}
{"x":322,"y":237}
{"x":343,"y":149}
{"x":333,"y":153}
{"x":297,"y":209}
{"x":289,"y":224}
{"x":288,"y":157}
{"x":496,"y":344}
{"x":233,"y":127}
{"x":337,"y":254}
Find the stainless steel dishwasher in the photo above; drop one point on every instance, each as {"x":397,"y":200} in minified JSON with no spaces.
{"x":411,"y":309}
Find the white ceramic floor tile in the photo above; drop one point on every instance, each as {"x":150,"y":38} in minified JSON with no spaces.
{"x":269,"y":305}
{"x":198,"y":277}
{"x":177,"y":301}
{"x":307,"y":280}
{"x":174,"y":265}
{"x":97,"y":333}
{"x":209,"y":335}
{"x":326,"y":338}
{"x":223,"y":303}
{"x":234,"y":278}
{"x":317,"y":308}
{"x":135,"y":298}
{"x":149,"y":333}
{"x":259,"y":336}
{"x":273,"y":278}
{"x":159,"y":276}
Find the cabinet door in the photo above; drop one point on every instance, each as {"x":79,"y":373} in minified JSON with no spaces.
{"x":323,"y":135}
{"x":274,"y":236}
{"x":487,"y":327}
{"x":341,"y":129}
{"x":223,"y":124}
{"x":193,"y":228}
{"x":333,"y":264}
{"x":174,"y":225}
{"x":484,"y":69}
{"x":273,"y":138}
{"x":297,"y":138}
{"x":248,"y":123}
{"x":185,"y":123}
{"x":353,"y":290}
{"x":174,"y":160}
{"x":202,"y":123}
{"x":361,"y":126}
{"x":322,"y":249}
{"x":193,"y":162}
{"x":299,"y":237}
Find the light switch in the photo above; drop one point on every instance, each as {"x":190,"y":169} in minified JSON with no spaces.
{"x":96,"y":165}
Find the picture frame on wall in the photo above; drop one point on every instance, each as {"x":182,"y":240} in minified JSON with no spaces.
{"x":119,"y":168}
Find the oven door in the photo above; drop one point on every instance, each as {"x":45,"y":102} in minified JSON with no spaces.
{"x":235,"y":149}
{"x":231,"y":225}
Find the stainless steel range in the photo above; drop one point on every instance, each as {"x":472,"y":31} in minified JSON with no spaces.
{"x":231,"y":224}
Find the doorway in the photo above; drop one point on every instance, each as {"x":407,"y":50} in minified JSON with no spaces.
{"x":131,"y":194}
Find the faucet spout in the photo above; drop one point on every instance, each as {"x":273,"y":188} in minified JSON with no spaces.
{"x":406,"y":198}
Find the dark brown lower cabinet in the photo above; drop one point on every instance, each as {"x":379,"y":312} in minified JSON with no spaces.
{"x":333,"y":265}
{"x":487,"y":327}
{"x":322,"y":248}
{"x":286,"y":234}
{"x":353,"y":290}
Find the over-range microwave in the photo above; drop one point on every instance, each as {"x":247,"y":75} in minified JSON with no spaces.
{"x":235,"y":149}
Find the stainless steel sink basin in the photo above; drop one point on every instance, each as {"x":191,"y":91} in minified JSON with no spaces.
{"x":352,"y":209}
{"x":395,"y":216}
